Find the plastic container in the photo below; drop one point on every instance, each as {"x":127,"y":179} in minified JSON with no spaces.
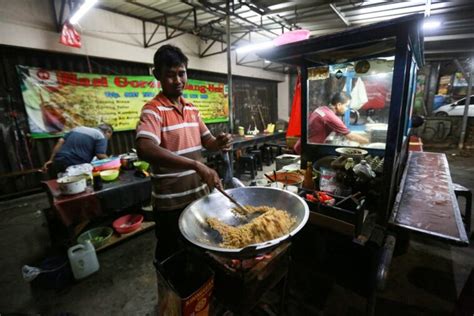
{"x":141,"y":165}
{"x":128,"y":223}
{"x":327,"y":181}
{"x":128,"y":160}
{"x":105,"y":164}
{"x":84,"y":170}
{"x":83,"y":260}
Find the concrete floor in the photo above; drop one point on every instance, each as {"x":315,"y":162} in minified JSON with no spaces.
{"x":425,"y":280}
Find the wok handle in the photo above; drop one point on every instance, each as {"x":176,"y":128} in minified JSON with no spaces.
{"x":253,"y":249}
{"x":236,"y":183}
{"x":249,"y":250}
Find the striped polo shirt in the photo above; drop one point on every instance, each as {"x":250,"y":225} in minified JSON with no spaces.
{"x":182,"y":134}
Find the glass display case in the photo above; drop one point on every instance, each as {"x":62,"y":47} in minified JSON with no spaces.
{"x":375,"y":65}
{"x":368,"y":83}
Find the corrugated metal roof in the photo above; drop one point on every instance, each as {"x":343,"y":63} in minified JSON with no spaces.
{"x":261,"y":20}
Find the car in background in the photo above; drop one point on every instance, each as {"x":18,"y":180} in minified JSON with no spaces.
{"x":455,"y":108}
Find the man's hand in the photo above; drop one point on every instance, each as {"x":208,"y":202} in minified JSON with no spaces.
{"x":209,"y":176}
{"x":224,"y":141}
{"x":357,"y":138}
{"x":46,"y":165}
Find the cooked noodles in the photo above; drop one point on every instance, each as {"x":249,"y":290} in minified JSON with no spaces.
{"x":271,"y":224}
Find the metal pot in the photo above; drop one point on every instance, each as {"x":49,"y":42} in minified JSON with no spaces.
{"x":72,"y":184}
{"x":127,"y":160}
{"x":193,"y":225}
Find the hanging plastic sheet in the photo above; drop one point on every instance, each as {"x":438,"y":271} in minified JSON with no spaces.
{"x":294,"y":125}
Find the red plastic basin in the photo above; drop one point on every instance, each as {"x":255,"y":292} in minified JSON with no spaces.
{"x":128,"y":223}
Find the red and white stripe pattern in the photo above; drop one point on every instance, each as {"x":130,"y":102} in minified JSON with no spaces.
{"x":181,"y":132}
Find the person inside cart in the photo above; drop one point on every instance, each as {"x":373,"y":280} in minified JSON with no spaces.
{"x":79,"y":146}
{"x":325,"y":119}
{"x":171,"y":135}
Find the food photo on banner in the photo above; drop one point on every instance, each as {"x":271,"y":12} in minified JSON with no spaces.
{"x":57,"y":101}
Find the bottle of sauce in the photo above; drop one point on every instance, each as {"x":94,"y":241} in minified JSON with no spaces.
{"x":308,"y":182}
{"x":97,"y":181}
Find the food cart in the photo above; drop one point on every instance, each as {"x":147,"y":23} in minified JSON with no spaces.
{"x":412,"y":191}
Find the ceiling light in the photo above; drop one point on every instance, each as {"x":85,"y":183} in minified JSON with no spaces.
{"x":82,"y":10}
{"x":255,"y":47}
{"x":280,"y":6}
{"x":429,"y":25}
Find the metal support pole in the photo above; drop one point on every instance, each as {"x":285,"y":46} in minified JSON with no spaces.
{"x":432,"y":86}
{"x":144,"y":33}
{"x":339,"y":14}
{"x":58,"y":20}
{"x":466,"y":106}
{"x":229,"y":68}
{"x":229,"y":157}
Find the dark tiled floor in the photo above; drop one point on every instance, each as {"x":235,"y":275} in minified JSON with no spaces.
{"x":424,"y":280}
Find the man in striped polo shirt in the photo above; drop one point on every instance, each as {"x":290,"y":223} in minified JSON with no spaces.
{"x":171,"y":135}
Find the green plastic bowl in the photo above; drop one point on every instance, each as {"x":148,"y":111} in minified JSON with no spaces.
{"x":141,"y":165}
{"x":109,"y":175}
{"x":98,"y":236}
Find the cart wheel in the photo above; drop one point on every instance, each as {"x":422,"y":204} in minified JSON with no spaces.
{"x":354,"y":117}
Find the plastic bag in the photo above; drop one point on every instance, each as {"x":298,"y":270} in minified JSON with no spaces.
{"x":327,"y":181}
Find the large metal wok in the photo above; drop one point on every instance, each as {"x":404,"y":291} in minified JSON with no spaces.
{"x":193,"y":225}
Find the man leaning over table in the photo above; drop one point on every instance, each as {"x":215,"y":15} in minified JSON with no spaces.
{"x":325,"y":120}
{"x":171,"y":135}
{"x":78,"y":146}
